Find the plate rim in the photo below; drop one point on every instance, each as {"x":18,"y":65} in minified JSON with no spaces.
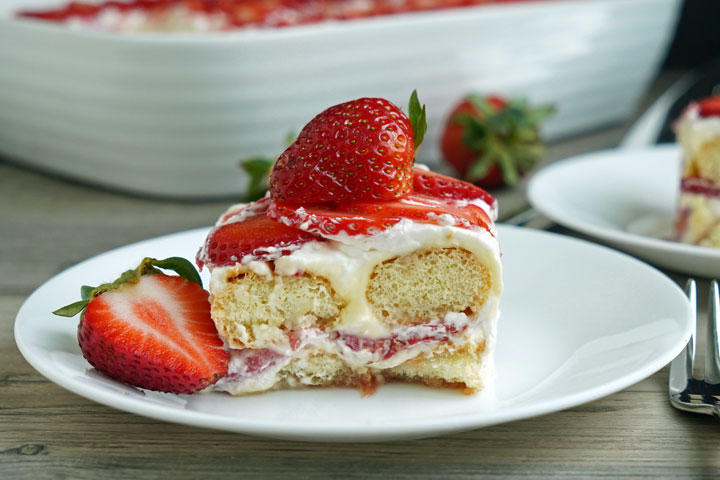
{"x":536,"y":200}
{"x":433,"y":426}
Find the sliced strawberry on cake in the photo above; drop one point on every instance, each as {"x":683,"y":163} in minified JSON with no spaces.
{"x":359,"y":267}
{"x":246,"y":233}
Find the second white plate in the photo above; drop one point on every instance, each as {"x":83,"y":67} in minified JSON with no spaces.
{"x":578,"y":322}
{"x":625,"y":198}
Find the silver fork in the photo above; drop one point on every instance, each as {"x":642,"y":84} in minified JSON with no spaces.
{"x":687,"y":392}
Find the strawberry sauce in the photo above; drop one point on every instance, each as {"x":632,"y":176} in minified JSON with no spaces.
{"x":238,"y":14}
{"x":388,"y":347}
{"x":255,"y":361}
{"x":700,"y":186}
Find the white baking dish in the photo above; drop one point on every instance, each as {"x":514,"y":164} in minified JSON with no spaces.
{"x":171,"y":114}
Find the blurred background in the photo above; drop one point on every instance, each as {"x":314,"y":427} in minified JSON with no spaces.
{"x":172,"y":114}
{"x":696,"y":40}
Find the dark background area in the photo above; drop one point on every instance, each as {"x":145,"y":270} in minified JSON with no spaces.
{"x":697,"y":38}
{"x":695,"y":48}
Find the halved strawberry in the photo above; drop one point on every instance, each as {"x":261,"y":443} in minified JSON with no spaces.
{"x":369,"y":218}
{"x":359,"y":150}
{"x":259,"y":236}
{"x":435,"y":185}
{"x":152,"y":330}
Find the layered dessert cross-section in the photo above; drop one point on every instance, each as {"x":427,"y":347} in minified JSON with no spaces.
{"x":333,"y":279}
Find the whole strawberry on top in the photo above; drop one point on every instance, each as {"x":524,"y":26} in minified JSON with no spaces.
{"x":358,"y":150}
{"x":493,"y":141}
{"x":151,"y":330}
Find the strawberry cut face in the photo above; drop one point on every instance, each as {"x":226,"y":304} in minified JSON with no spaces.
{"x":369,"y":218}
{"x":155,"y":334}
{"x":355,"y":151}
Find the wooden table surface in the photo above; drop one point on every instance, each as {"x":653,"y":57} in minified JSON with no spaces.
{"x":49,"y":224}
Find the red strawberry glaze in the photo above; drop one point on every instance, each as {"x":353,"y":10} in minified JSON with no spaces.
{"x":246,"y":232}
{"x":369,"y":218}
{"x":440,"y":186}
{"x":388,"y":347}
{"x":266,"y":230}
{"x":700,"y":186}
{"x":255,"y":13}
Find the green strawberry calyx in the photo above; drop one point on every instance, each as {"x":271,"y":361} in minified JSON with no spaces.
{"x":508,"y":136}
{"x":417,"y":116}
{"x":258,"y":171}
{"x":148,"y":266}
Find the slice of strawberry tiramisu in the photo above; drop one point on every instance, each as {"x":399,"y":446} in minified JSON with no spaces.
{"x":698,"y":132}
{"x":358,"y":267}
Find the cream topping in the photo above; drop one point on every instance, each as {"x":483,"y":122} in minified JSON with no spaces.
{"x":693,"y":131}
{"x":348,"y":262}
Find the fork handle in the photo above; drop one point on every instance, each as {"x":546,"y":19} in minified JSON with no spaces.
{"x":712,"y":355}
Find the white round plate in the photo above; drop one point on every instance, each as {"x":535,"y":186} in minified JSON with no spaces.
{"x":625,"y":198}
{"x":579,"y":321}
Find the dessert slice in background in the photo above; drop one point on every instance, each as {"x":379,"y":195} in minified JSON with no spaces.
{"x":698,"y":133}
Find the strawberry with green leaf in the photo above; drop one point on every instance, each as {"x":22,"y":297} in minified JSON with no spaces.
{"x":151,"y":330}
{"x":361,"y":150}
{"x":492,"y":141}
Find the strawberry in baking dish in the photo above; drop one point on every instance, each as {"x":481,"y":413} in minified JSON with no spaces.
{"x":203,"y":15}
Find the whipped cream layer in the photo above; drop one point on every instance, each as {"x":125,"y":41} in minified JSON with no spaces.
{"x":694,"y":131}
{"x":348,"y":261}
{"x":254,"y":370}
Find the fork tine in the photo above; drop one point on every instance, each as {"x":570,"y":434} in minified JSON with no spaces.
{"x":681,"y":368}
{"x":712,"y":354}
